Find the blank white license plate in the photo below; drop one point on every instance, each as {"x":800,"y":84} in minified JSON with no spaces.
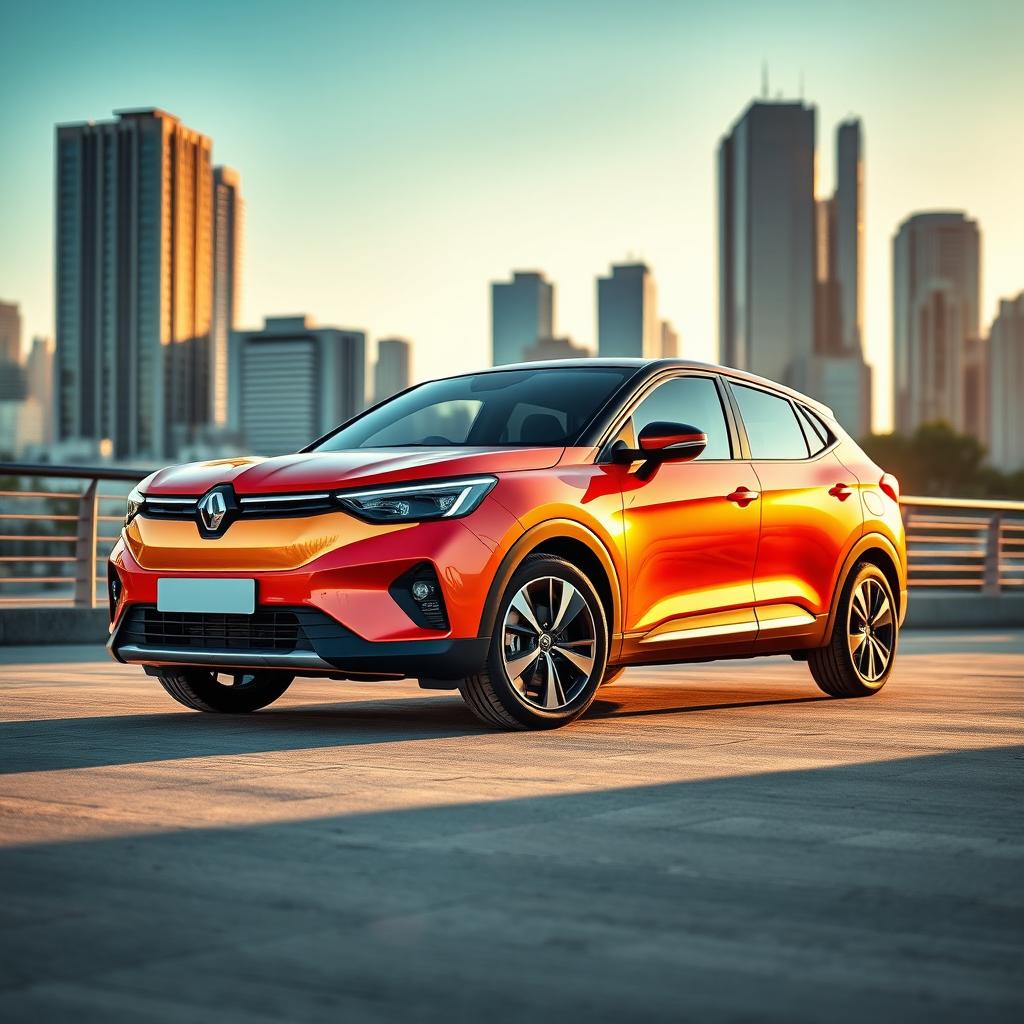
{"x":227,"y":597}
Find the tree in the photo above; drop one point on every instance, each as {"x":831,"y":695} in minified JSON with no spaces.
{"x":936,"y":461}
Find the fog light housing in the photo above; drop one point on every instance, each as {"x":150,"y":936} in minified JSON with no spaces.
{"x":418,"y":593}
{"x":115,"y":590}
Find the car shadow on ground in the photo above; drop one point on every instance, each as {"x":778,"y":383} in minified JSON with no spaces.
{"x":105,"y":740}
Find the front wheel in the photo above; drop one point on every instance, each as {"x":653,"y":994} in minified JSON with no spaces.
{"x":232,"y":693}
{"x":858,"y":660}
{"x":548,"y":649}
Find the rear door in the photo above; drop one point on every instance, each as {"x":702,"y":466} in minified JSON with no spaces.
{"x":690,"y":531}
{"x":810,"y":513}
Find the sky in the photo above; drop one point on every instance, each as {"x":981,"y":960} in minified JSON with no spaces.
{"x":396,"y":158}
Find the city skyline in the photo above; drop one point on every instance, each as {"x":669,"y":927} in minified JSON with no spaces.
{"x":453,"y":185}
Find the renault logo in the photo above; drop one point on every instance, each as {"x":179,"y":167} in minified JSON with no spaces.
{"x":212,"y":510}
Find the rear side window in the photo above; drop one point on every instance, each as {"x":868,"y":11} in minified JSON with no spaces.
{"x":818,"y":438}
{"x":692,"y":400}
{"x":773,"y":430}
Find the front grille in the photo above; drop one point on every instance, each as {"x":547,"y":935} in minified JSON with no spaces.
{"x":277,"y":506}
{"x":264,"y":631}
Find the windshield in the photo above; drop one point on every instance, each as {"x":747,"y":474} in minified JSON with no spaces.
{"x":503,"y":408}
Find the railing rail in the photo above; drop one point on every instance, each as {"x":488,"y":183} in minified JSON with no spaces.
{"x":54,"y":543}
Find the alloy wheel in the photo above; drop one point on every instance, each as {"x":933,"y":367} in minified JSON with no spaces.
{"x":871,"y":630}
{"x":549,"y":643}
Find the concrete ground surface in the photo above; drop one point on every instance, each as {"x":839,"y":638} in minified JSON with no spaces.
{"x":710,"y":842}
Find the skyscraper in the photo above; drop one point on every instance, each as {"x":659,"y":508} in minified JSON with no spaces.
{"x":766,"y":232}
{"x":936,"y":288}
{"x":849,"y":234}
{"x":790,"y":265}
{"x":522,"y":310}
{"x":10,"y":333}
{"x":555,"y":348}
{"x":1006,"y":385}
{"x":669,"y":340}
{"x":296,"y":382}
{"x":391,"y":371}
{"x":133,"y":282}
{"x":39,"y":375}
{"x":228,"y":213}
{"x":627,"y":313}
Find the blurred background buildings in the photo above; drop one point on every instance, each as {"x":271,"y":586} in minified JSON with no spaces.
{"x":151,"y":364}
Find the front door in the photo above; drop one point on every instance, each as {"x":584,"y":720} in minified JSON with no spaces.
{"x":691,"y":533}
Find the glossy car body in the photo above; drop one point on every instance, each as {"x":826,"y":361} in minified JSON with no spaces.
{"x":728,"y":556}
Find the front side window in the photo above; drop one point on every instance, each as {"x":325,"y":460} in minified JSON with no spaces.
{"x":503,"y":408}
{"x":773,"y":430}
{"x":691,"y":400}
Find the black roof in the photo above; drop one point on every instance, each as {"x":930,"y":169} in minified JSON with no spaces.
{"x":655,"y":365}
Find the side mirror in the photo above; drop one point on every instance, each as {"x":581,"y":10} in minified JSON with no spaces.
{"x":675,"y":442}
{"x":662,"y":442}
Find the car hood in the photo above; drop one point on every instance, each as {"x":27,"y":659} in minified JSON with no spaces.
{"x":314,"y":471}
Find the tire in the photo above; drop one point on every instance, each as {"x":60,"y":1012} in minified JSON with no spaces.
{"x":551,"y":690}
{"x":613,"y":675}
{"x":866,"y":626}
{"x":201,"y":690}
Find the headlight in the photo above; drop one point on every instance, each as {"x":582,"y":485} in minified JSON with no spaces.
{"x":135,"y":502}
{"x":415,"y":502}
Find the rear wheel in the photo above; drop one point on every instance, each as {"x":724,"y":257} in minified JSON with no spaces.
{"x":859,"y":659}
{"x":232,"y":693}
{"x":548,"y":650}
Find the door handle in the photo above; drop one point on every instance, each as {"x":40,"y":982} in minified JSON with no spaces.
{"x":743,"y":496}
{"x":841,"y":491}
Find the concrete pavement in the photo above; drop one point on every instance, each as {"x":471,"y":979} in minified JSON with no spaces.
{"x":711,"y":842}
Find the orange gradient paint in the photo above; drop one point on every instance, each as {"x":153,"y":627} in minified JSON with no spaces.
{"x":691,"y":559}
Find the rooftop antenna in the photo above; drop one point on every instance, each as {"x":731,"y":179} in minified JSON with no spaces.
{"x":801,"y":85}
{"x":764,"y":79}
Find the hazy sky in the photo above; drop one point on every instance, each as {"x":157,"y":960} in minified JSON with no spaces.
{"x":396,"y":157}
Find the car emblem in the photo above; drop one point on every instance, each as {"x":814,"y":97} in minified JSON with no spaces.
{"x":212,"y":510}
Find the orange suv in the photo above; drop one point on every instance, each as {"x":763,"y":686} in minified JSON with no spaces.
{"x":521,"y":534}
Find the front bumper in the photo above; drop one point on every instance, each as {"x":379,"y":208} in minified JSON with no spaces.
{"x":351,"y":622}
{"x":298,"y":640}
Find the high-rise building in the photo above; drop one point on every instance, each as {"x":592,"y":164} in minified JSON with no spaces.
{"x":296,"y":382}
{"x":133,"y":282}
{"x":627,"y":313}
{"x":1006,"y":386}
{"x":391,"y":373}
{"x":790,"y":265}
{"x":848,"y":236}
{"x":228,"y":211}
{"x":39,"y":377}
{"x":669,"y":340}
{"x":838,"y":374}
{"x":10,"y":333}
{"x":554,"y":348}
{"x":522,"y":310}
{"x":936,"y":289}
{"x":766,"y":233}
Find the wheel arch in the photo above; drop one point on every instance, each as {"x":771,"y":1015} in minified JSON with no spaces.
{"x":881,"y":552}
{"x":566,"y":539}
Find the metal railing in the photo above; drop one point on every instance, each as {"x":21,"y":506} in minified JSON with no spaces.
{"x":967,"y":544}
{"x":54,"y":542}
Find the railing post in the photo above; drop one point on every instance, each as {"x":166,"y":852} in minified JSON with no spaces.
{"x":85,"y":546}
{"x":993,"y":545}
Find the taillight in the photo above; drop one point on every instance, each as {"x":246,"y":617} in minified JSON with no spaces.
{"x":891,"y":486}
